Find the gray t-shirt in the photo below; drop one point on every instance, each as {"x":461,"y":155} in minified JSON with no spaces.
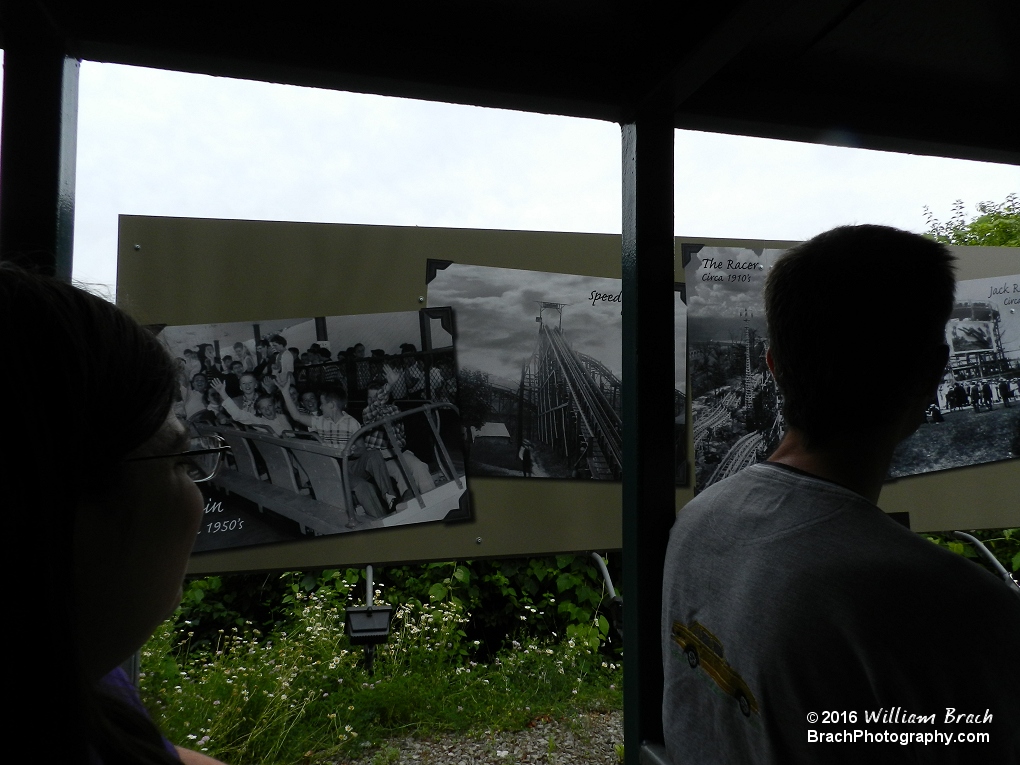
{"x":785,"y":594}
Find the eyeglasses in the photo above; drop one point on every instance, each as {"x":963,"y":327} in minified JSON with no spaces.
{"x":205,"y":457}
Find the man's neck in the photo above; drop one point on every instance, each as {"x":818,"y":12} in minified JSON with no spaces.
{"x":859,"y":464}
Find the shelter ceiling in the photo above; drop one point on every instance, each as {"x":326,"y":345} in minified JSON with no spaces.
{"x":892,"y":74}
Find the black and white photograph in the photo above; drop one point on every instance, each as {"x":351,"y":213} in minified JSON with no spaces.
{"x":975,"y":417}
{"x":734,"y":402}
{"x":333,"y":424}
{"x":540,"y":365}
{"x":681,"y":469}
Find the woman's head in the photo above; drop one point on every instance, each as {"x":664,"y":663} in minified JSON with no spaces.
{"x":110,"y":398}
{"x":114,"y":390}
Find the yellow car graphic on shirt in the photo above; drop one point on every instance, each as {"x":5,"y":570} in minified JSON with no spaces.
{"x":705,"y":650}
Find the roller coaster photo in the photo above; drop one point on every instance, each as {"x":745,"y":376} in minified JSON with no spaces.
{"x":562,"y":421}
{"x":736,"y":407}
{"x":295,"y":485}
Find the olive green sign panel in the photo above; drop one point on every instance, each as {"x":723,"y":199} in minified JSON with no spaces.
{"x":179,"y":271}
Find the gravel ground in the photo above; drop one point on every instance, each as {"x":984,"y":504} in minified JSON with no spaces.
{"x":588,"y":738}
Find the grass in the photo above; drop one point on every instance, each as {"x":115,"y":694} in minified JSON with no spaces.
{"x":302,"y":695}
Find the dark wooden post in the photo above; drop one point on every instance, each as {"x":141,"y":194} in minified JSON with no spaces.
{"x":648,"y":481}
{"x":37,"y":148}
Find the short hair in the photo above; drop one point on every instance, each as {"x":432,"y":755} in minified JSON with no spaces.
{"x":278,"y":340}
{"x":376,"y":383}
{"x":337,"y":395}
{"x":248,"y":374}
{"x":855,"y":302}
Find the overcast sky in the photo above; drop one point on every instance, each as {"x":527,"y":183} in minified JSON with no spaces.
{"x":496,"y":310}
{"x":164,"y":143}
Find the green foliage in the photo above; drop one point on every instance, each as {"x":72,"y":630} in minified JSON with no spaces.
{"x":302,"y":694}
{"x":256,"y":668}
{"x":539,"y":598}
{"x":998,"y":225}
{"x":1004,"y":544}
{"x":214,"y":603}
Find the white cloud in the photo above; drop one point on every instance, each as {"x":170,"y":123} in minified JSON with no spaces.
{"x":167,"y":143}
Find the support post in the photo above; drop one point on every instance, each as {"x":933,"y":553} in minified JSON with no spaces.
{"x":38,"y":142}
{"x":649,"y":496}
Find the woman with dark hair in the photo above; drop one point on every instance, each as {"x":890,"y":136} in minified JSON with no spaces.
{"x":104,"y":512}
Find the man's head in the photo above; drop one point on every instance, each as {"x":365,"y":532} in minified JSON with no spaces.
{"x":830,"y":332}
{"x":266,"y":407}
{"x":237,"y":368}
{"x":310,"y":401}
{"x":333,"y":403}
{"x":359,"y":350}
{"x":239,"y":349}
{"x":227,"y":361}
{"x":278,"y":343}
{"x":199,"y":382}
{"x":375,"y":388}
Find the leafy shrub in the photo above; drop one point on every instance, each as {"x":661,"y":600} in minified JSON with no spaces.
{"x":302,"y":694}
{"x":537,"y":598}
{"x":1004,"y":544}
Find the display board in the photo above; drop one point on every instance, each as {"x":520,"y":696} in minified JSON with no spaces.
{"x":179,"y":272}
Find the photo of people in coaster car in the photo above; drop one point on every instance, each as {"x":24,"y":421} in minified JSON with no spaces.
{"x":324,"y":445}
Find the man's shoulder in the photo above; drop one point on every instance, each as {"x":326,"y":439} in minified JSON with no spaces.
{"x":810,"y":540}
{"x":765,"y":499}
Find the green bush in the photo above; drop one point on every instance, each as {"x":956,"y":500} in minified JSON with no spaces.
{"x":303,"y":695}
{"x":539,"y":598}
{"x":1004,"y":544}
